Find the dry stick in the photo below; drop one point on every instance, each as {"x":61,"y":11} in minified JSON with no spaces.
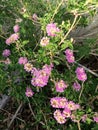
{"x":72,"y":26}
{"x":12,"y":115}
{"x":93,"y":54}
{"x":90,"y":71}
{"x":13,"y":118}
{"x":31,"y":110}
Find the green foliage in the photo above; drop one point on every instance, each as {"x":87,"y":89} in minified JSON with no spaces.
{"x":14,"y":79}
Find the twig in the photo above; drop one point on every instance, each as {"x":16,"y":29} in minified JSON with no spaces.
{"x":94,"y":54}
{"x":12,"y":115}
{"x":72,"y":26}
{"x":55,"y":12}
{"x":31,"y":110}
{"x":13,"y":118}
{"x":90,"y":71}
{"x":81,"y":91}
{"x":78,"y":123}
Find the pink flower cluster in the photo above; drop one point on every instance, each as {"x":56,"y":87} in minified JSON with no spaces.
{"x":69,"y":56}
{"x":59,"y":117}
{"x":40,"y":77}
{"x":67,"y":106}
{"x":60,"y":86}
{"x":29,"y":92}
{"x":14,"y":37}
{"x":22,"y":60}
{"x":52,"y":30}
{"x":76,"y":86}
{"x":80,"y":73}
{"x":6,"y":53}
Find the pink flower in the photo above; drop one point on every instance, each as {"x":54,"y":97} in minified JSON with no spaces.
{"x":52,"y":30}
{"x":66,"y":112}
{"x":8,"y":41}
{"x":28,"y":67}
{"x":76,"y":86}
{"x":35,"y":17}
{"x":71,"y":105}
{"x":57,"y":113}
{"x":79,"y":70}
{"x":14,"y":37}
{"x":59,"y":117}
{"x":6,"y":53}
{"x":44,"y":41}
{"x":70,"y":59}
{"x":16,"y":28}
{"x":62,"y":102}
{"x":22,"y":60}
{"x":69,"y":56}
{"x":29,"y":92}
{"x":68,"y":52}
{"x":58,"y":102}
{"x":60,"y":86}
{"x":80,"y":73}
{"x":84,"y":117}
{"x":95,"y":119}
{"x":55,"y":102}
{"x":82,"y":77}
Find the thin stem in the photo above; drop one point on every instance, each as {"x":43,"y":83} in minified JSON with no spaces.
{"x":2,"y":36}
{"x":12,"y":115}
{"x":72,"y":26}
{"x":81,"y":91}
{"x":45,"y":120}
{"x":78,"y":123}
{"x":31,"y":108}
{"x":13,"y":118}
{"x":55,"y":12}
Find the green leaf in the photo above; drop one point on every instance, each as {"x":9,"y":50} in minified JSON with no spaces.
{"x":64,"y":46}
{"x":25,"y":15}
{"x":25,"y":42}
{"x":88,"y":120}
{"x":56,"y":62}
